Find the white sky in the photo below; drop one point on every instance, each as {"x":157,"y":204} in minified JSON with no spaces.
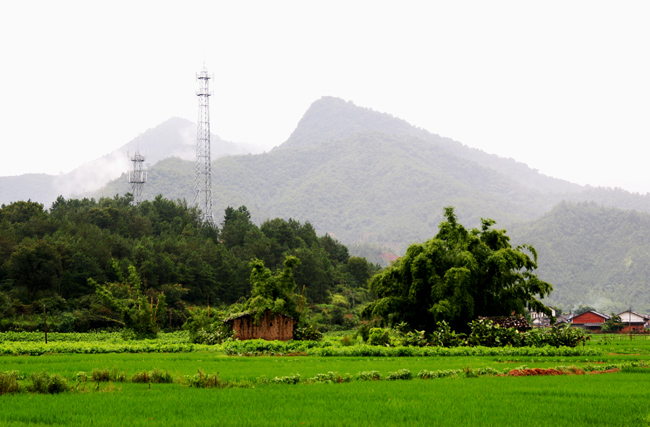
{"x":563,"y":86}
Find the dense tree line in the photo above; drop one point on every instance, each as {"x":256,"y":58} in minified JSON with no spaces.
{"x":48,"y":256}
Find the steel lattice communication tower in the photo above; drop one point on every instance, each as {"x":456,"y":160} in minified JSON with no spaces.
{"x":203,"y":180}
{"x":137,"y":177}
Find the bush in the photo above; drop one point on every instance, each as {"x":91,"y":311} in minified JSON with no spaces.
{"x":489,"y":334}
{"x":45,"y":383}
{"x":443,"y":336}
{"x":379,"y":336}
{"x":9,"y":382}
{"x":307,"y":333}
{"x":402,"y":374}
{"x":201,"y":380}
{"x":81,"y":377}
{"x":205,"y":330}
{"x":369,"y":376}
{"x":99,"y":375}
{"x":557,"y":336}
{"x":347,"y":341}
{"x":364,"y":331}
{"x":330,"y":377}
{"x":410,"y":338}
{"x":289,"y":379}
{"x":104,"y":375}
{"x":156,"y":376}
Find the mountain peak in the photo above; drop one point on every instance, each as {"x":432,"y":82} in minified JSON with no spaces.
{"x":330,"y":118}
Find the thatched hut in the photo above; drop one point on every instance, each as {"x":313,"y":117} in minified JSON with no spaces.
{"x":272,"y":326}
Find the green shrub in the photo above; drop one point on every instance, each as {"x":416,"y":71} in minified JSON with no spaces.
{"x":104,"y":375}
{"x":155,"y":376}
{"x":205,"y":329}
{"x":201,"y":380}
{"x":330,"y":377}
{"x":410,"y":338}
{"x":99,"y":375}
{"x":9,"y":382}
{"x":426,"y":375}
{"x":369,"y":376}
{"x":557,"y":336}
{"x":364,"y":331}
{"x":307,"y":333}
{"x":443,"y":336}
{"x":289,"y":379}
{"x":379,"y":336}
{"x":402,"y":374}
{"x":347,"y":341}
{"x":489,"y":334}
{"x":81,"y":377}
{"x":44,"y":383}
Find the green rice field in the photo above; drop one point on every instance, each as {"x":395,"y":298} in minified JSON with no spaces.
{"x":255,"y":398}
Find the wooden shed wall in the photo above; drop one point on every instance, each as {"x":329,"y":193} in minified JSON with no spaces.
{"x":271,"y":327}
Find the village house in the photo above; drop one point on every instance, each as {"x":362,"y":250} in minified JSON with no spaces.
{"x":634,"y":322}
{"x":563,"y":319}
{"x":271,"y":327}
{"x":590,"y":320}
{"x":541,"y":320}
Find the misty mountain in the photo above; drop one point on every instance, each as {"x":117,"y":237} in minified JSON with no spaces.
{"x":332,"y":118}
{"x":368,"y":177}
{"x":175,"y":137}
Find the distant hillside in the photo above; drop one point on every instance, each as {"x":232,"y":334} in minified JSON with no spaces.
{"x":368,"y":177}
{"x":592,"y":255}
{"x":330,"y":119}
{"x":174,"y":137}
{"x":32,"y":186}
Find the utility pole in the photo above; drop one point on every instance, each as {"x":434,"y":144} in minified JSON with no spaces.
{"x":45,"y":321}
{"x":629,"y":322}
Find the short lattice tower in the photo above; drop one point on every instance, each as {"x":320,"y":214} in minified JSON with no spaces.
{"x":137,"y":176}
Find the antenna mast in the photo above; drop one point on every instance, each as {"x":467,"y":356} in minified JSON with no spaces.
{"x":203,"y":181}
{"x":137,"y":177}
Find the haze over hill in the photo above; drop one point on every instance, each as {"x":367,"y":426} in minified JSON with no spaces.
{"x":175,"y":137}
{"x":367,"y":176}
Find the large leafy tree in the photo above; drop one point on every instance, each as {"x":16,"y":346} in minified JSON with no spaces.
{"x":140,"y":312}
{"x":457,"y":276}
{"x":36,"y":266}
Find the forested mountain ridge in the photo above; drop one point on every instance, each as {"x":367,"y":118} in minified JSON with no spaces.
{"x":368,"y":177}
{"x":592,"y":255}
{"x":331,"y":118}
{"x":352,"y":187}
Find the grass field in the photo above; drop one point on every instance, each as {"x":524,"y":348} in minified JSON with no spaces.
{"x":615,"y":399}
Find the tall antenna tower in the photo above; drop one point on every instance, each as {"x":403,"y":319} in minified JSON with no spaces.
{"x":203,"y":180}
{"x":137,"y":177}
